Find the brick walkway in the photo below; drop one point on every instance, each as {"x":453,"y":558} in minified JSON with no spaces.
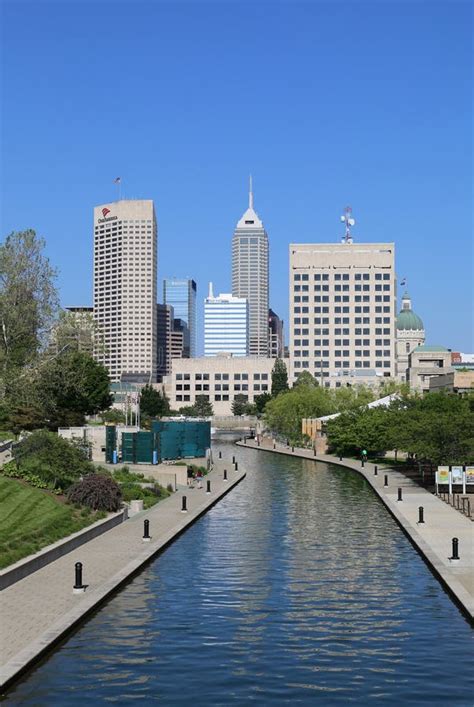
{"x":38,"y":609}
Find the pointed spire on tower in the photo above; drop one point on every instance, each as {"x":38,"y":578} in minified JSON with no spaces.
{"x":250,"y":192}
{"x":211,"y":291}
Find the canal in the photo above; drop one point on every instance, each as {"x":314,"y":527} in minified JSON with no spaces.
{"x":297,"y":588}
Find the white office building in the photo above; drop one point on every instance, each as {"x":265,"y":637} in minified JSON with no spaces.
{"x":125,"y":288}
{"x":250,"y":275}
{"x":226,"y":324}
{"x":343,"y":312}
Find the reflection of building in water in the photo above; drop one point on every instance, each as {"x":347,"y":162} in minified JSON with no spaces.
{"x":339,"y":546}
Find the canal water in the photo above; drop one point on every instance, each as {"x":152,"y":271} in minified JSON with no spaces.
{"x":297,"y":588}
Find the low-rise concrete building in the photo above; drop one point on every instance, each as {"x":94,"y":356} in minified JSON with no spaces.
{"x":459,"y":382}
{"x":220,"y":378}
{"x":424,"y":364}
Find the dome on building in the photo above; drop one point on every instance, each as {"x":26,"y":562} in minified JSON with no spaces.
{"x":407,"y":320}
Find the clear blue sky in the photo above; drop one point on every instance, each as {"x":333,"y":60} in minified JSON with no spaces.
{"x":326,"y":103}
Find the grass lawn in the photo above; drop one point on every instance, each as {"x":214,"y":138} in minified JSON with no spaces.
{"x":31,"y":518}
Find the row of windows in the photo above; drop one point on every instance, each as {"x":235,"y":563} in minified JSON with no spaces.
{"x":221,"y":376}
{"x":238,"y":387}
{"x":325,"y":320}
{"x":339,"y":310}
{"x":341,"y":298}
{"x":344,"y":332}
{"x":342,"y":288}
{"x":341,"y":276}
{"x":340,"y":364}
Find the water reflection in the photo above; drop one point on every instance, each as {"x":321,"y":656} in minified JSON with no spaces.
{"x":298,"y":587}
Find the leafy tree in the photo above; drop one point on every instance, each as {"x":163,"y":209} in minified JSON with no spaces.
{"x":239,"y":404}
{"x":153,"y":402}
{"x":365,"y":428}
{"x":113,"y":416}
{"x":284,"y":413}
{"x":203,"y":406}
{"x":438,"y":427}
{"x":76,"y":331}
{"x":279,"y":377}
{"x":260,"y":402}
{"x":73,"y":385}
{"x":305,"y":378}
{"x":351,"y":397}
{"x":188,"y":411}
{"x":28,"y":299}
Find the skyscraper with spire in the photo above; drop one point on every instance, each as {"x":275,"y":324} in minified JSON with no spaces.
{"x":250,"y":275}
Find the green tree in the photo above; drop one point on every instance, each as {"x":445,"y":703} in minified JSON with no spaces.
{"x":284,"y":413}
{"x":438,"y":427}
{"x":113,"y":416}
{"x":279,"y":377}
{"x":260,"y":402}
{"x":153,"y":402}
{"x":76,"y":331}
{"x":28,"y":299}
{"x":239,"y":404}
{"x":203,"y":406}
{"x":71,"y":386}
{"x":305,"y":378}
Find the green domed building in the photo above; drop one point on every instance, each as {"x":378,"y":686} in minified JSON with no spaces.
{"x":410,"y":334}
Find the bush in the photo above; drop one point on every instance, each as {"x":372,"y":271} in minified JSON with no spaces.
{"x":149,"y":496}
{"x":55,"y":460}
{"x":99,"y":492}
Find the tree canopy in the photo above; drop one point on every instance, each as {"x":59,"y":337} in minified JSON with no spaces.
{"x":153,"y":403}
{"x":28,"y":298}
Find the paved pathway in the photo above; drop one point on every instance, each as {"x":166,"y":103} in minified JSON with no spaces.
{"x":433,"y":538}
{"x":38,"y":609}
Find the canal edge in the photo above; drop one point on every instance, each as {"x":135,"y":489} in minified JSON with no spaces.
{"x":461,"y":597}
{"x":26,"y":660}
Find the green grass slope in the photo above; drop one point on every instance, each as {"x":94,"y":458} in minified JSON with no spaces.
{"x":31,"y":518}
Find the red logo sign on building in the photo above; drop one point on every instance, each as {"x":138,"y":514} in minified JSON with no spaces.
{"x":105,"y":211}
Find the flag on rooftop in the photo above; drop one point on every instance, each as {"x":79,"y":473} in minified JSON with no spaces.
{"x":404,"y":281}
{"x":117,"y":180}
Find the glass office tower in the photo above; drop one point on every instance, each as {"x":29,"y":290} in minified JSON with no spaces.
{"x":181,"y":295}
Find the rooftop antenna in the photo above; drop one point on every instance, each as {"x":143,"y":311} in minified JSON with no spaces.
{"x":250,"y":192}
{"x":349,"y":221}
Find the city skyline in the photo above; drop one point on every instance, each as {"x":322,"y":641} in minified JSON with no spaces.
{"x":320,"y":128}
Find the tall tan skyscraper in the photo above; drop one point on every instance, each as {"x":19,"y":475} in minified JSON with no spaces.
{"x":342,"y":312}
{"x":250,"y":275}
{"x":125,"y":287}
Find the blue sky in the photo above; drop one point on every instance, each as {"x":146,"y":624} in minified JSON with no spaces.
{"x":325,"y":103}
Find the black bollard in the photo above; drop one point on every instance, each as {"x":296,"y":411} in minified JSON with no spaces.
{"x":399,"y":495}
{"x":385,"y":480}
{"x":78,"y":587}
{"x":184,"y":508}
{"x":376,"y":470}
{"x":314,"y":451}
{"x":225,"y":474}
{"x":220,"y":455}
{"x":233,"y":460}
{"x":421,"y":516}
{"x":236,"y":466}
{"x":274,"y":445}
{"x":455,"y":555}
{"x":292,"y":449}
{"x":340,"y":459}
{"x":146,"y":531}
{"x":362,"y":463}
{"x":208,"y":489}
